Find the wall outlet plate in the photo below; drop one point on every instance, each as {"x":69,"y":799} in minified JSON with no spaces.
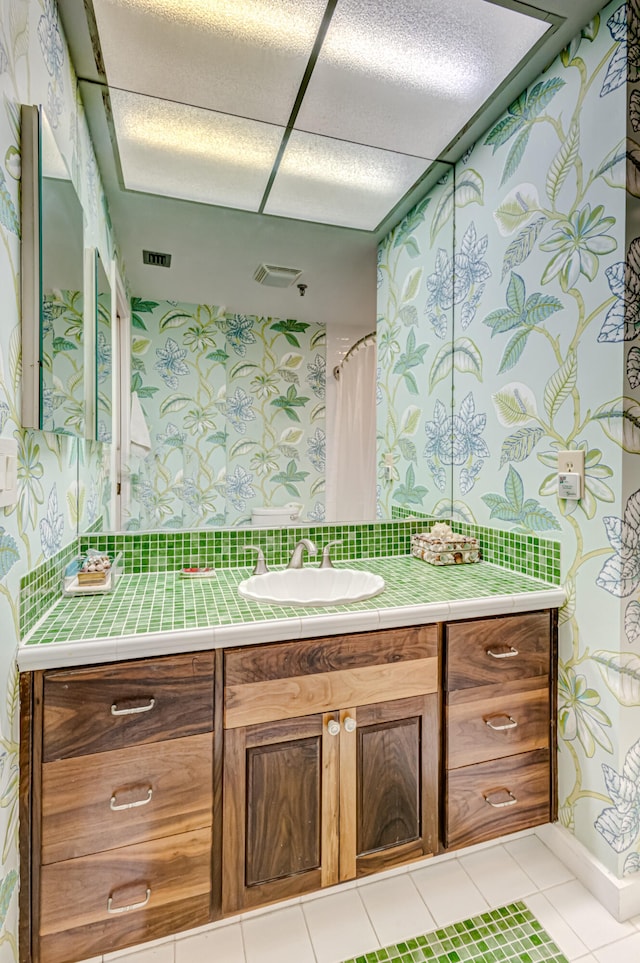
{"x":571,"y":461}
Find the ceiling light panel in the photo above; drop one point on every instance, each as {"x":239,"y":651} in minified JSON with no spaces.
{"x":337,"y":182}
{"x":237,"y":56}
{"x":194,"y":154}
{"x":409,"y":75}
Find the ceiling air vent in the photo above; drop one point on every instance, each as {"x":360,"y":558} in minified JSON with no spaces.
{"x":155,"y":259}
{"x":276,"y":277}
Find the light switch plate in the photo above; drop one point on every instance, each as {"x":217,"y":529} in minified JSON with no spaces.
{"x":8,"y":471}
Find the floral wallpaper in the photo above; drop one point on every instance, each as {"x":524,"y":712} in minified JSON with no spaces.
{"x":537,"y":306}
{"x":235,"y":409}
{"x":63,"y":362}
{"x":59,"y":478}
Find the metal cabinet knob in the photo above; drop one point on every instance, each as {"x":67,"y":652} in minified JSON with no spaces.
{"x":333,"y":727}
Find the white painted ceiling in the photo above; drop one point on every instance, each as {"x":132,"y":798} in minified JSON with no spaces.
{"x":243,"y":105}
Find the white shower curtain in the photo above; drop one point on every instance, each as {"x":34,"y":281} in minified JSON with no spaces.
{"x":352,"y":493}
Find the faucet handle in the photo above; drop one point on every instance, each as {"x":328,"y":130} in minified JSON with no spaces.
{"x":326,"y":557}
{"x":261,"y":564}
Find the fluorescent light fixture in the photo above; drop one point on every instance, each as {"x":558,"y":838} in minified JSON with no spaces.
{"x":337,"y":182}
{"x":408,"y":76}
{"x":195,"y":154}
{"x":244,"y":57}
{"x":290,"y":25}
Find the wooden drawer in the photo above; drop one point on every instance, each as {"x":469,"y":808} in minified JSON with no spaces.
{"x":471,"y":818}
{"x":126,"y":704}
{"x":505,"y":649}
{"x":167,"y":785}
{"x":282,"y":681}
{"x":170,"y":876}
{"x":490,"y":722}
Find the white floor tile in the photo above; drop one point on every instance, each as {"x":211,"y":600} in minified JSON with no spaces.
{"x":557,"y":928}
{"x":623,"y":951}
{"x":498,"y":876}
{"x":164,"y":953}
{"x":278,"y":937}
{"x":396,"y":909}
{"x":586,"y":916}
{"x":586,"y":959}
{"x":339,"y":927}
{"x":538,"y":862}
{"x":223,"y":945}
{"x":448,"y":892}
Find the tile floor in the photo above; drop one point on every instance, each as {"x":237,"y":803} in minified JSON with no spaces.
{"x":373,"y":914}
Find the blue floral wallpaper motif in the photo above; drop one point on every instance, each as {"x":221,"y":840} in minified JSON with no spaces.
{"x":519,"y":342}
{"x":235,"y":409}
{"x":60,"y":479}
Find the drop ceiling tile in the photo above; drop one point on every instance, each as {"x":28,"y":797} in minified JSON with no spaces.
{"x":198,"y":155}
{"x":337,"y":182}
{"x":408,"y":76}
{"x":244,"y":57}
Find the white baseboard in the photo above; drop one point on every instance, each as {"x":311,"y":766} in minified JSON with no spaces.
{"x":621,"y":897}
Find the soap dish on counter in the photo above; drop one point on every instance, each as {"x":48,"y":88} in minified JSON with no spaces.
{"x":442,"y":546}
{"x":78,"y":580}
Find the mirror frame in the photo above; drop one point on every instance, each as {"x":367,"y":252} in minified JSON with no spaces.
{"x":31,"y":284}
{"x":30,"y":267}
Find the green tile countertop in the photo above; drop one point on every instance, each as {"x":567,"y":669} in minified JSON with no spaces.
{"x":160,"y":613}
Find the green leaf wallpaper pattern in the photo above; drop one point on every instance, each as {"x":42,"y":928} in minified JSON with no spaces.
{"x":530,"y":330}
{"x":235,"y":409}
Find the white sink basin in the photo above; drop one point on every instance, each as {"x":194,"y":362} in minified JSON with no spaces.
{"x":312,"y":586}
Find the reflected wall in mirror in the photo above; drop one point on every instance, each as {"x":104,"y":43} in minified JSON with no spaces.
{"x":233,"y":407}
{"x":103,"y":355}
{"x":53,"y":285}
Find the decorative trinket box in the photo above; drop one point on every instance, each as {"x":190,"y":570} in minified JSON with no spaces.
{"x":442,"y":546}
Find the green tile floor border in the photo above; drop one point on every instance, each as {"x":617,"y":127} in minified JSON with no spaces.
{"x":528,"y":554}
{"x":510,"y":934}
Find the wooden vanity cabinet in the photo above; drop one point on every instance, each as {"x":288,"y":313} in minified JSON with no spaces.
{"x":121,"y":805}
{"x":331,"y":761}
{"x":499,"y":726}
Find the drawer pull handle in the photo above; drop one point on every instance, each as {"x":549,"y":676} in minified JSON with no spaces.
{"x":511,"y":653}
{"x":501,"y":805}
{"x":333,"y":727}
{"x":116,"y":807}
{"x":350,"y":724}
{"x":134,"y":710}
{"x":127,"y":909}
{"x":511,"y":724}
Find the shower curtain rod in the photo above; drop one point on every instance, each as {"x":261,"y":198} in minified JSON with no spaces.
{"x":354,"y":347}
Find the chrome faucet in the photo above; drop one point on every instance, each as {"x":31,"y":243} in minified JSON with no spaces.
{"x":326,"y":553}
{"x":303,"y":545}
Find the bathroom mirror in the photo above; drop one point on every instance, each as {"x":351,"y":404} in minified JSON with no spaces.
{"x":53,"y":270}
{"x":232,"y":381}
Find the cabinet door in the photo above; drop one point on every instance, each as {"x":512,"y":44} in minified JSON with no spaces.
{"x":388,"y":784}
{"x":280,"y":810}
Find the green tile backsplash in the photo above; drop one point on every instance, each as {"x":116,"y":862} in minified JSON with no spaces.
{"x":510,"y":934}
{"x":149,"y":552}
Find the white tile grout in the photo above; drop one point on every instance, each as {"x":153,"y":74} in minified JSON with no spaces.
{"x":144,"y":954}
